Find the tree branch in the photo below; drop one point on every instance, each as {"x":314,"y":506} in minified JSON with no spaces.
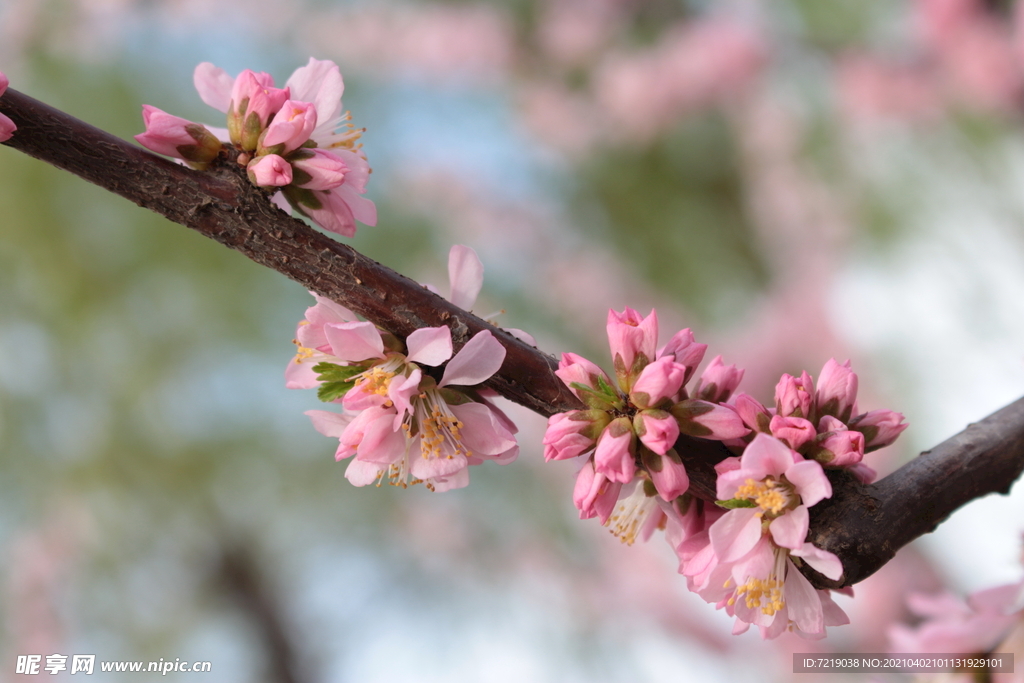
{"x":863,"y":525}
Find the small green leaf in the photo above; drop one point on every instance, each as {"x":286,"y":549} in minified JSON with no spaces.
{"x":335,"y":380}
{"x":734,"y":503}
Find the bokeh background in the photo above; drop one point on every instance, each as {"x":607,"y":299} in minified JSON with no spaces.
{"x":794,"y":180}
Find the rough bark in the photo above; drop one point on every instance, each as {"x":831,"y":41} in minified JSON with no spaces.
{"x":863,"y":525}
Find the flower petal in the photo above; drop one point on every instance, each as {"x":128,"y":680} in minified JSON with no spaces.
{"x":821,"y":560}
{"x":362,"y":473}
{"x":466,"y":275}
{"x":810,"y":481}
{"x":802,"y":602}
{"x":735,"y":534}
{"x":214,"y":86}
{"x":480,"y":358}
{"x":430,"y":345}
{"x":354,"y":341}
{"x":482,"y":432}
{"x":790,"y":530}
{"x":328,"y":423}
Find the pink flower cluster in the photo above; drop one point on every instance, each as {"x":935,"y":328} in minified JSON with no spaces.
{"x":745,"y":558}
{"x":823,"y":424}
{"x":292,"y":140}
{"x":627,"y":434}
{"x":404,"y":418}
{"x":745,"y":553}
{"x":7,"y":126}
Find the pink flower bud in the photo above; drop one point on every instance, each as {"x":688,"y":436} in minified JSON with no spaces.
{"x":879,"y":427}
{"x":178,"y":137}
{"x":668,"y":475}
{"x":574,"y":369}
{"x":594,"y":495}
{"x":633,"y":341}
{"x":718,"y":381}
{"x":571,"y":434}
{"x":708,"y":420}
{"x":838,"y":447}
{"x":291,"y":127}
{"x":793,"y":397}
{"x":615,"y":456}
{"x":837,"y":390}
{"x":269,"y":170}
{"x":793,"y":431}
{"x":659,"y":381}
{"x":752,"y":412}
{"x":318,"y":169}
{"x":657,"y":429}
{"x":685,"y":351}
{"x":253,"y":101}
{"x":7,"y":126}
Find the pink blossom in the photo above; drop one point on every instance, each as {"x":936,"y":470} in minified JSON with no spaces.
{"x":338,"y":209}
{"x":793,"y":431}
{"x":178,"y":137}
{"x":708,"y":420}
{"x":658,"y":383}
{"x":636,"y":515}
{"x":879,"y":427}
{"x":752,"y":412}
{"x":615,"y":455}
{"x":292,"y":125}
{"x":657,"y":429}
{"x":254,"y":100}
{"x":316,"y":169}
{"x":269,"y":170}
{"x":837,"y":446}
{"x":633,"y":342}
{"x":685,"y":351}
{"x":837,"y":390}
{"x":7,"y":126}
{"x":594,"y":494}
{"x":571,"y":434}
{"x":668,"y":475}
{"x":718,"y":381}
{"x":794,"y":397}
{"x":781,"y":484}
{"x":311,"y":340}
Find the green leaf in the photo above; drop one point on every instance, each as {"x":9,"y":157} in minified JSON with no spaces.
{"x":336,"y":380}
{"x":734,"y":503}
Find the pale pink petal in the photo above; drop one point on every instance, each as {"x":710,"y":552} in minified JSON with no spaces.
{"x":790,"y":530}
{"x":810,"y":481}
{"x":833,"y":613}
{"x":482,"y":432}
{"x":334,"y":214}
{"x":381,"y":443}
{"x":822,"y":561}
{"x":299,"y":374}
{"x":214,"y":86}
{"x":430,"y":345}
{"x":361,"y":473}
{"x":466,"y":275}
{"x":354,"y":341}
{"x":477,"y":361}
{"x":328,"y":423}
{"x":443,"y":466}
{"x":767,"y":456}
{"x":361,"y":208}
{"x":459,"y":480}
{"x":522,"y":336}
{"x":736,"y":533}
{"x":7,"y":128}
{"x":319,"y":82}
{"x":802,"y":602}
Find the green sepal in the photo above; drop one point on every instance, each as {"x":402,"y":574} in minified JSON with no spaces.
{"x":593,"y":398}
{"x":734,"y":503}
{"x":650,"y":490}
{"x":686,"y":411}
{"x":650,"y":460}
{"x":251,"y":130}
{"x":301,"y":199}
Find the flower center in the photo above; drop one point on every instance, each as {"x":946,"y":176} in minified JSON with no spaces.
{"x":376,"y":380}
{"x":765,"y":593}
{"x":440,"y":430}
{"x":631,"y":517}
{"x":772,"y":496}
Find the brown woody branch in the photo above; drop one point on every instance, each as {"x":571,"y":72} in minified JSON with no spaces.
{"x":863,"y":525}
